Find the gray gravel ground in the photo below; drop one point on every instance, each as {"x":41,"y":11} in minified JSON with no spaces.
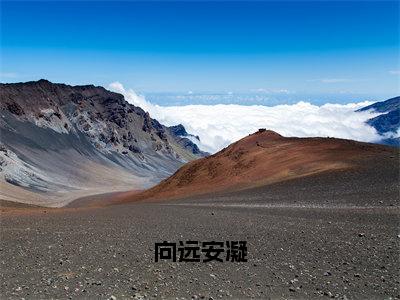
{"x":297,"y":248}
{"x":293,"y":253}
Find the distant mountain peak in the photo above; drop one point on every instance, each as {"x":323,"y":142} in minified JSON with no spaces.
{"x":384,"y":106}
{"x":387,"y":124}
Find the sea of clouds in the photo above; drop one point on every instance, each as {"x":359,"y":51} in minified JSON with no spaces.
{"x":221,"y":124}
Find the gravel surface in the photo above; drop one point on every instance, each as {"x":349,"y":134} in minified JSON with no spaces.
{"x":297,"y":247}
{"x":292,"y":253}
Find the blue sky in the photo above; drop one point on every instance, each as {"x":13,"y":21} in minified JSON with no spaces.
{"x":297,"y":48}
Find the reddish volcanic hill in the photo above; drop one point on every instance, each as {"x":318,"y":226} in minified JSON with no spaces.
{"x":262,"y":158}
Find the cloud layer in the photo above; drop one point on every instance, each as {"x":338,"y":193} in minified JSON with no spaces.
{"x":219,"y":125}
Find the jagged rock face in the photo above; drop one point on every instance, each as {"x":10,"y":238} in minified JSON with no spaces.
{"x":104,"y":117}
{"x":86,"y":124}
{"x":186,"y":139}
{"x":179,"y":130}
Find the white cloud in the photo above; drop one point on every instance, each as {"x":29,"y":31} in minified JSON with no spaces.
{"x":272,"y":91}
{"x":117,"y":87}
{"x":131,"y":96}
{"x":395,"y":72}
{"x":392,"y":134}
{"x":330,"y":80}
{"x":221,"y":124}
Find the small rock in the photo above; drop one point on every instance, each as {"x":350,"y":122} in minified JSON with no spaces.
{"x":329,"y":294}
{"x":361,"y":234}
{"x":327,"y":273}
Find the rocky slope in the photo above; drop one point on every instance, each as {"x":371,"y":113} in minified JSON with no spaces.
{"x":186,"y":140}
{"x":388,"y":123}
{"x":59,"y":142}
{"x":261,"y":159}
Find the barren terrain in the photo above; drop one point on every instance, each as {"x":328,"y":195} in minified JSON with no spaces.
{"x":261,"y":159}
{"x":330,"y":235}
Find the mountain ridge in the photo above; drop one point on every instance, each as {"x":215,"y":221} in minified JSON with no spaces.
{"x":55,"y":138}
{"x":260,"y":159}
{"x":387,"y":124}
